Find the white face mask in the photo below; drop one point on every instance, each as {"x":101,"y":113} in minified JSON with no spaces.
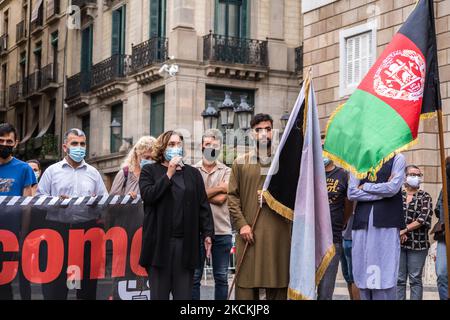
{"x":413,"y":181}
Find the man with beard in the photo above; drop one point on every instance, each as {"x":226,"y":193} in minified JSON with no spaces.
{"x":215,"y":175}
{"x":266,"y":264}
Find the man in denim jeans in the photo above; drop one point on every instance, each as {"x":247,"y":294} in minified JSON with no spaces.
{"x":215,"y":175}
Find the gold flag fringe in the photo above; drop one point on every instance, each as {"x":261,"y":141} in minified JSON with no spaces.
{"x":371,"y":172}
{"x":278,"y":207}
{"x":320,"y":271}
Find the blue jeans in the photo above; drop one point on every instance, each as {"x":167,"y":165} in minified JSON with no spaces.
{"x":441,"y":270}
{"x":220,"y":253}
{"x":411,"y":266}
{"x":346,"y":261}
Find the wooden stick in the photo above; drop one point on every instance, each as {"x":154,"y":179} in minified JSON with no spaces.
{"x":444,"y":195}
{"x":238,"y":267}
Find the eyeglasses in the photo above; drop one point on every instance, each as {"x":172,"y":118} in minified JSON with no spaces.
{"x":414,"y":175}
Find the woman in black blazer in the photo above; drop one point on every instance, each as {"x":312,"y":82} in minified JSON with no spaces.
{"x":177,"y":217}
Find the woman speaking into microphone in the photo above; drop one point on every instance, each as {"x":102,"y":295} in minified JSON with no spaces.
{"x":177,"y":217}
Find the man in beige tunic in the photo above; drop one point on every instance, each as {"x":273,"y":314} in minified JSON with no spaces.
{"x":266,"y":263}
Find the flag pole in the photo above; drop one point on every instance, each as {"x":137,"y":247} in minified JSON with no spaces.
{"x":444,"y":195}
{"x":238,"y":266}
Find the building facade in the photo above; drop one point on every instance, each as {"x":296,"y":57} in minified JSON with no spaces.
{"x":244,"y":47}
{"x":343,"y":38}
{"x":31,"y":78}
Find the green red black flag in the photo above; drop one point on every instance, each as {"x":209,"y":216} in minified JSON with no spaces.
{"x":381,"y":118}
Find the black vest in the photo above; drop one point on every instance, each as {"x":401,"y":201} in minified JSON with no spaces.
{"x":388,"y":212}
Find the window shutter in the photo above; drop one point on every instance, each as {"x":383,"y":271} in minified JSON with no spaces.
{"x":154,"y":18}
{"x":115,"y":32}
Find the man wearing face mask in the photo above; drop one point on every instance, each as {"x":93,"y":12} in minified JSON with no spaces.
{"x":215,"y":176}
{"x":16,"y":179}
{"x":69,"y":178}
{"x":418,"y":208}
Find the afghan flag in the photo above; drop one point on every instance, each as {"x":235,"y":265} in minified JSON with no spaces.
{"x":295,"y":188}
{"x":381,"y":118}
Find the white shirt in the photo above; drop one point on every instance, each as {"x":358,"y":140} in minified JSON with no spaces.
{"x":62,"y":179}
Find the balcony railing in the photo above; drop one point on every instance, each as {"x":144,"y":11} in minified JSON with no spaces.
{"x":232,"y":50}
{"x":3,"y":100}
{"x":299,"y":59}
{"x":17,"y":91}
{"x":49,"y":75}
{"x":4,"y":43}
{"x":38,"y":23}
{"x":148,"y":53}
{"x":53,"y":10}
{"x":78,"y":84}
{"x":108,"y":70}
{"x":20,"y":31}
{"x":82,"y":3}
{"x":34,"y":82}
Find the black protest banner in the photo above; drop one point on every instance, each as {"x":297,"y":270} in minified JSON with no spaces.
{"x":87,"y":247}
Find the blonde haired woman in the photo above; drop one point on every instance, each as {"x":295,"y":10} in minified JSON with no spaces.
{"x":127,"y":179}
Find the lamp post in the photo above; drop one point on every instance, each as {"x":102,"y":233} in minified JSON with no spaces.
{"x":210,"y":117}
{"x":244,"y":114}
{"x":116,"y":130}
{"x":226,"y":109}
{"x":284,"y":120}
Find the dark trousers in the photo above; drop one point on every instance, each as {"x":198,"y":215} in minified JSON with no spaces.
{"x":253,"y":293}
{"x":174,"y":278}
{"x":58,"y":289}
{"x":220,"y":252}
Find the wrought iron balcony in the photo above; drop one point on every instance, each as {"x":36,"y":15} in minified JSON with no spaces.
{"x":148,"y":53}
{"x":17,"y":92}
{"x":49,"y":77}
{"x":83,"y":3}
{"x":37,"y":24}
{"x":21,"y":32}
{"x":109,"y":70}
{"x":34,"y":83}
{"x":218,"y":48}
{"x":3,"y":103}
{"x":53,"y":10}
{"x":299,"y":59}
{"x":4,"y":44}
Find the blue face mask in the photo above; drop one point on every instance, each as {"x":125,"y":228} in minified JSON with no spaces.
{"x":170,"y":153}
{"x":146,"y":161}
{"x":77,"y":154}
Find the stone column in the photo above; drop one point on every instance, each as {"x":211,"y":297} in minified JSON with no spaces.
{"x":182,"y":36}
{"x":278,"y":59}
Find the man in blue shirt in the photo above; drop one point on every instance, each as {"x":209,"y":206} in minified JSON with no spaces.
{"x":16,"y":179}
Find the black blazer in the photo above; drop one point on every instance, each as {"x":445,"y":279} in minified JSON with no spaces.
{"x":156,"y":193}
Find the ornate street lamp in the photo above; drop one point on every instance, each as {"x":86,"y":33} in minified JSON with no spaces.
{"x":284,"y":120}
{"x":227,"y":112}
{"x":116,"y":130}
{"x":244,"y":113}
{"x":210,"y":117}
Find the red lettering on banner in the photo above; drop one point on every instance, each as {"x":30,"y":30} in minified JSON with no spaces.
{"x":30,"y":255}
{"x":97,"y":239}
{"x":9,"y":268}
{"x":77,"y":240}
{"x":135,"y":254}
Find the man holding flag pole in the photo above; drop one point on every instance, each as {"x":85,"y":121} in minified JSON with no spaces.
{"x":294,"y":190}
{"x":380,"y":119}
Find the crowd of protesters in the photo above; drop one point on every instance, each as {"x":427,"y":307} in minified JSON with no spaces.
{"x":383,"y":221}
